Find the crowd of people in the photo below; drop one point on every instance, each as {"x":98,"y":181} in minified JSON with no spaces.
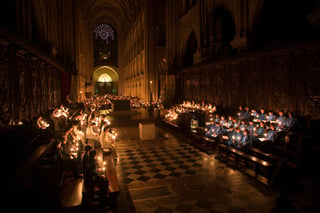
{"x":76,"y":151}
{"x":240,"y":130}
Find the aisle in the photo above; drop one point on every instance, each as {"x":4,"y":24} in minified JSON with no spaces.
{"x":170,"y":175}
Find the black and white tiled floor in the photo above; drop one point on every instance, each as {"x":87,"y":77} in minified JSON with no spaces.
{"x":170,"y":175}
{"x":152,"y":163}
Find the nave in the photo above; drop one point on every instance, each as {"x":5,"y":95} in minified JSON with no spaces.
{"x":169,"y":174}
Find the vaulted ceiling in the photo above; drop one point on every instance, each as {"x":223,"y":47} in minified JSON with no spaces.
{"x":118,"y":13}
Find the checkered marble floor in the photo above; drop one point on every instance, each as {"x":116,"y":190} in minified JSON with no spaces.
{"x":170,"y":175}
{"x":162,"y":162}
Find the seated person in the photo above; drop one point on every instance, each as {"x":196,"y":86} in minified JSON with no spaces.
{"x":245,"y":140}
{"x":246,"y":115}
{"x":271,"y":133}
{"x":243,"y":125}
{"x":210,"y":130}
{"x":217,"y":118}
{"x":290,"y":121}
{"x":211,"y":118}
{"x":281,"y":120}
{"x":271,"y":117}
{"x":218,"y":130}
{"x":85,"y":157}
{"x":262,"y":115}
{"x":222,"y":121}
{"x":67,"y":158}
{"x":240,"y":112}
{"x":235,"y":122}
{"x":254,"y":114}
{"x":259,"y":133}
{"x":251,"y":127}
{"x":229,"y":122}
{"x":236,"y":137}
{"x":230,"y":134}
{"x":92,"y":178}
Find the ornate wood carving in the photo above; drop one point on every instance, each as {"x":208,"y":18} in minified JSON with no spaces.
{"x":312,"y":86}
{"x":255,"y":91}
{"x":35,"y":80}
{"x":5,"y":114}
{"x":235,"y":97}
{"x":220,"y":85}
{"x":281,"y":82}
{"x":20,"y":97}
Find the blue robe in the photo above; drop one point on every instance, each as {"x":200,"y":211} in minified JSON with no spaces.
{"x":240,"y":114}
{"x":246,"y":115}
{"x":271,"y":118}
{"x":245,"y":140}
{"x":243,"y":127}
{"x":262,"y":117}
{"x":230,"y":139}
{"x":250,"y":128}
{"x":219,"y":130}
{"x":281,"y":120}
{"x":254,"y":114}
{"x":290,"y":122}
{"x":229,"y":123}
{"x":260,"y":131}
{"x":211,"y":130}
{"x":271,"y":135}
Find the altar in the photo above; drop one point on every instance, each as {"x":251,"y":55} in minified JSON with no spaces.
{"x":147,"y":131}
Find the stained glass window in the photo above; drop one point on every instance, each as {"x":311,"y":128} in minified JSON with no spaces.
{"x":104,"y":32}
{"x":105,"y":45}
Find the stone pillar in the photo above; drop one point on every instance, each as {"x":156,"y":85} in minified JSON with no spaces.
{"x":241,"y":41}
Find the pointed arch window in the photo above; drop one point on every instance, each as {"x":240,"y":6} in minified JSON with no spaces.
{"x":105,"y":45}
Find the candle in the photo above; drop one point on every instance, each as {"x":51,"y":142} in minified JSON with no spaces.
{"x":105,"y":171}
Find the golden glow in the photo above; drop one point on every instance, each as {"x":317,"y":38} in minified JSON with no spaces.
{"x":104,"y":78}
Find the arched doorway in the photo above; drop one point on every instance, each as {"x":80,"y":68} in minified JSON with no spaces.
{"x":105,"y":81}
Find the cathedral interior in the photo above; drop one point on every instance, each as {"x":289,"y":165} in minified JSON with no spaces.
{"x":144,"y":59}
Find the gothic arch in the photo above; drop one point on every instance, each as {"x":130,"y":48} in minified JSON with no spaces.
{"x":254,"y":13}
{"x":103,"y":87}
{"x":190,"y":46}
{"x":162,"y":69}
{"x":224,"y":26}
